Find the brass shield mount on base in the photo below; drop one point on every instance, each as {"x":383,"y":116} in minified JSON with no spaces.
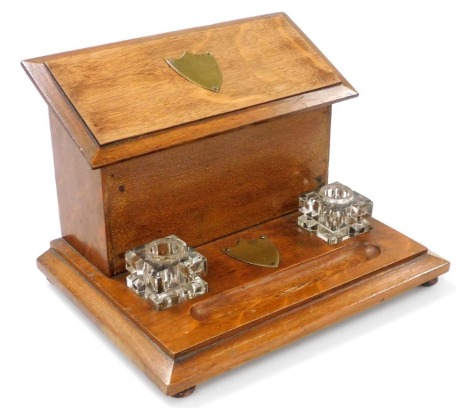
{"x":259,"y":252}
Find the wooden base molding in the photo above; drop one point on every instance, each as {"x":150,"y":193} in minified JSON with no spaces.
{"x":249,"y":310}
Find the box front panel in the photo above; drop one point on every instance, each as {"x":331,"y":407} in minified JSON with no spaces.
{"x":210,"y":188}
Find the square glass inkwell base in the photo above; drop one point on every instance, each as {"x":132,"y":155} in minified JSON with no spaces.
{"x":335,"y":213}
{"x":166,"y":272}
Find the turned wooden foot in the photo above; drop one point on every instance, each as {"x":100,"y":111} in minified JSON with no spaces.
{"x":184,"y":393}
{"x":431,"y":282}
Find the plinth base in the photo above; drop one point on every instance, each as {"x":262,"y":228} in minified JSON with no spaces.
{"x":248,"y":310}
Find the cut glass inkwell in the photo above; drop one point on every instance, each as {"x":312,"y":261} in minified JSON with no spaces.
{"x":166,"y":272}
{"x":335,"y":213}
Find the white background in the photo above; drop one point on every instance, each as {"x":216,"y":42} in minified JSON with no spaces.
{"x":403,"y":143}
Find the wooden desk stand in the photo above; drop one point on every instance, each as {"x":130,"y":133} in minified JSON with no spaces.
{"x":140,"y":153}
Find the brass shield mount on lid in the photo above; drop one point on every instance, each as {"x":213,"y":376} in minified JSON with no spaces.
{"x":201,"y":69}
{"x":260,"y":252}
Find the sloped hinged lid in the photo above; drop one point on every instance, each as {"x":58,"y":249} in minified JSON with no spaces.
{"x":123,"y":100}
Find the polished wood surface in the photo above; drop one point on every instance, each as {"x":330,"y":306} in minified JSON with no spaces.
{"x":201,"y":179}
{"x":242,"y":295}
{"x":62,"y":109}
{"x":201,"y":191}
{"x":124,"y":92}
{"x":185,"y":345}
{"x":210,"y":188}
{"x":107,"y":94}
{"x":105,"y":314}
{"x":82,"y":207}
{"x":287,"y":287}
{"x":186,"y":133}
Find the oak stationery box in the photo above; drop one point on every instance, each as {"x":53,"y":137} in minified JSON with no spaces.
{"x":146,"y":145}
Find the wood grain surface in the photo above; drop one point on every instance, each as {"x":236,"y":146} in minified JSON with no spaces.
{"x":201,"y":191}
{"x":108,"y":94}
{"x":210,"y":188}
{"x":178,"y":350}
{"x":81,"y":196}
{"x":128,"y":91}
{"x":63,"y":111}
{"x":310,"y":266}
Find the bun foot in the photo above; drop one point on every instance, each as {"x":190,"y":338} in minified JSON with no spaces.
{"x":431,"y":282}
{"x":184,"y":393}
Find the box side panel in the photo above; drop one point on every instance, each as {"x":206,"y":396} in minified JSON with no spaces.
{"x":208,"y":189}
{"x":80,"y":195}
